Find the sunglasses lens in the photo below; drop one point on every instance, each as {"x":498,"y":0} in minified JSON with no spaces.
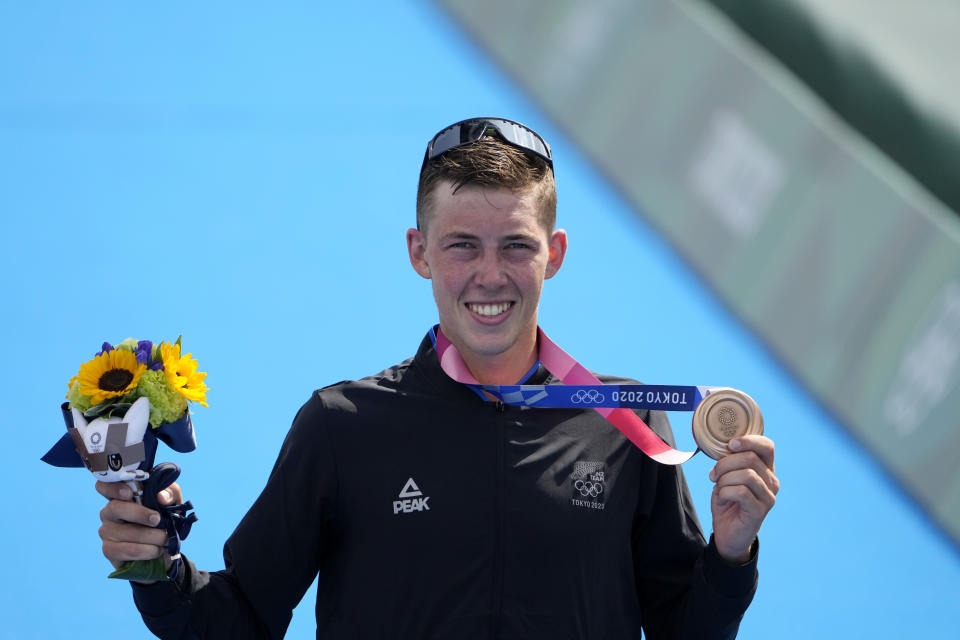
{"x":523,"y":137}
{"x":448,"y":139}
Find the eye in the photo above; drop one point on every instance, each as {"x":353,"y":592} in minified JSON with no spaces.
{"x":115,"y":461}
{"x":521,"y":249}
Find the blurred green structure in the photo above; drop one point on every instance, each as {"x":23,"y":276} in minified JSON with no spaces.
{"x":805,"y":184}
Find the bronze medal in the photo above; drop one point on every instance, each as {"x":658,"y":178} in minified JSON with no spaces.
{"x":723,"y":415}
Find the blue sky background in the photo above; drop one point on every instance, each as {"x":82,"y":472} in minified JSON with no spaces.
{"x":244,"y":177}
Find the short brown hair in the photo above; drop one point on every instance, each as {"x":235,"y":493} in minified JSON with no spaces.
{"x":489,"y":162}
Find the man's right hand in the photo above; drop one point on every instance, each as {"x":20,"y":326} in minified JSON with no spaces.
{"x":128,"y":531}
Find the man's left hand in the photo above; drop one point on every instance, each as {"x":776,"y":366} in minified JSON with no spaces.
{"x":745,"y":491}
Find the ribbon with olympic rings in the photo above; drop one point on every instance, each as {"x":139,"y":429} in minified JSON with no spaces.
{"x":576,"y":378}
{"x":655,"y":397}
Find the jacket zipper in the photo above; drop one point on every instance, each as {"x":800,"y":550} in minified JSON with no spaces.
{"x":498,"y":540}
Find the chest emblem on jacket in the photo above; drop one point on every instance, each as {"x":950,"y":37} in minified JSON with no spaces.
{"x":589,"y":483}
{"x":411,"y":499}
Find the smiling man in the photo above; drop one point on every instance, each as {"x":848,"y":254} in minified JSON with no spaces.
{"x":429,"y":509}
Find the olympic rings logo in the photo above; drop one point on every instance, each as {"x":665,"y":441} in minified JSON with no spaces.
{"x":587,"y":397}
{"x":587,"y":488}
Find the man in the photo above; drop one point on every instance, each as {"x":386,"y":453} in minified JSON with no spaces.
{"x":429,"y":509}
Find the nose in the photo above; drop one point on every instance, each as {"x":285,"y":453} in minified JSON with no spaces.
{"x":490,"y":271}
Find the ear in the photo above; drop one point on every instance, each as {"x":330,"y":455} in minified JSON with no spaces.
{"x":79,"y":422}
{"x":137,"y":417}
{"x":558,"y":249}
{"x":417,"y":249}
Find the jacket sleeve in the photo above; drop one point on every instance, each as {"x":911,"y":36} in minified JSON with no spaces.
{"x":684,"y":588}
{"x":272,"y":556}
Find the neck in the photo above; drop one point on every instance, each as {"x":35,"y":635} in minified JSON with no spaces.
{"x":504,"y":368}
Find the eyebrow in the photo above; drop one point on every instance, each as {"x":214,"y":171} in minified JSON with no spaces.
{"x":521,"y":236}
{"x":460,"y":235}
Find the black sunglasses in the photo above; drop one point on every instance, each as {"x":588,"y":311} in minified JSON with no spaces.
{"x":474,"y":129}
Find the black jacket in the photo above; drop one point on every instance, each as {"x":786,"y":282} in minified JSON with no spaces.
{"x":431,"y":513}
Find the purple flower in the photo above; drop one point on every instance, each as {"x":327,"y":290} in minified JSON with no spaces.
{"x":105,"y":348}
{"x":144,"y":351}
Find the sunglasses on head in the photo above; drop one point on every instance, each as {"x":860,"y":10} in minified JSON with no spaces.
{"x":474,"y":129}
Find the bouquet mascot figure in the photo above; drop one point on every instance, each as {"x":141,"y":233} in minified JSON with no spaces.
{"x":113,"y":429}
{"x":112,"y":448}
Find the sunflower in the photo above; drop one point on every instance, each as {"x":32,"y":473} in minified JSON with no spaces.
{"x":182,"y":373}
{"x":109,"y":375}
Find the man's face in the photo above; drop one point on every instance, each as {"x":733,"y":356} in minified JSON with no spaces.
{"x":487,"y":256}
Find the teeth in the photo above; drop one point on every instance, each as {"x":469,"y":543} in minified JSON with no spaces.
{"x":490,"y":309}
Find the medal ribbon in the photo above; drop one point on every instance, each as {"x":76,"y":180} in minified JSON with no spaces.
{"x":582,"y":390}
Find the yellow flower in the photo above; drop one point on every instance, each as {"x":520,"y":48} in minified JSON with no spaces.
{"x":110,"y":374}
{"x":70,"y":386}
{"x":182,"y":373}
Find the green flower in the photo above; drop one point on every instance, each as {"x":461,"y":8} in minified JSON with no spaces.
{"x":128,"y":345}
{"x":77,"y":400}
{"x":166,"y":404}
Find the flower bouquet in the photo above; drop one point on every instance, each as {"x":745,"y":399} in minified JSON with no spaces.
{"x":119,"y":405}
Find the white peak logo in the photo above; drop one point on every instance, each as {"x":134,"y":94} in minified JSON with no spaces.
{"x":412,"y":499}
{"x":410,"y":490}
